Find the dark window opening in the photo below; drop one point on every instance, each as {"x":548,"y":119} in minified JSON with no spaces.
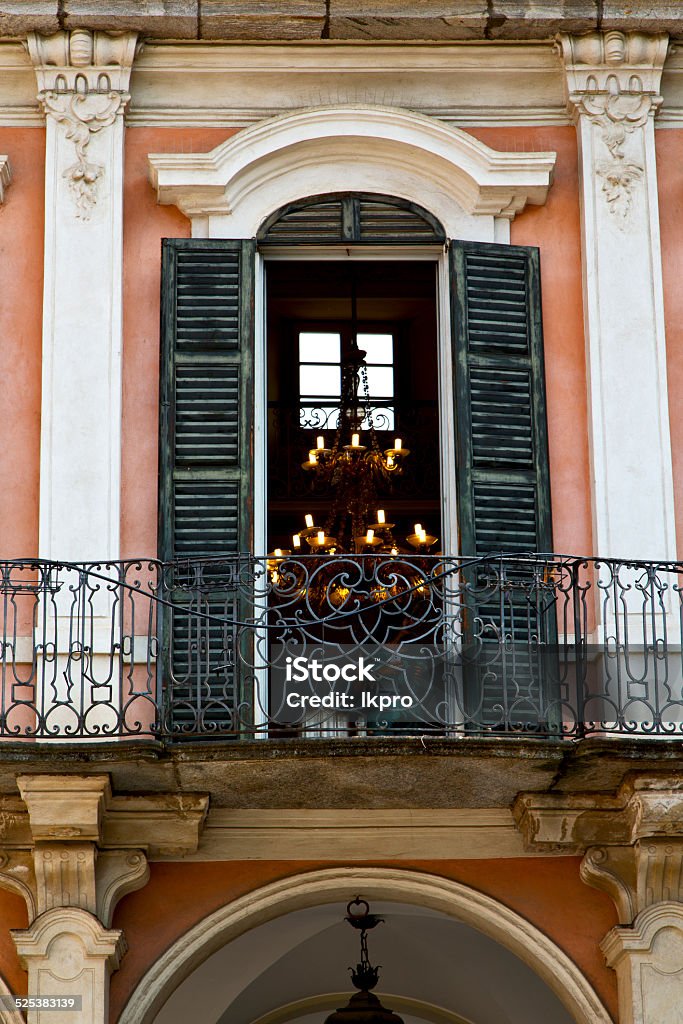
{"x":309,"y":324}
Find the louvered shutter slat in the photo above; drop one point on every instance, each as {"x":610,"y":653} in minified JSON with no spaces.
{"x":351,"y":218}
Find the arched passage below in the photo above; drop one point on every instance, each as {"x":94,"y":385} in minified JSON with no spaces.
{"x":317,"y":889}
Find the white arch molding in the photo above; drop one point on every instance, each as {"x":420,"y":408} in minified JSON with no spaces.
{"x":336,"y":885}
{"x":468,"y":186}
{"x":8,"y":1015}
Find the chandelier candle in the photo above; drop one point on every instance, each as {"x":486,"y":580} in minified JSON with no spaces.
{"x":353,"y":473}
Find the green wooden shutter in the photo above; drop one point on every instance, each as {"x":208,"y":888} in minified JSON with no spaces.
{"x":206,"y":444}
{"x":205,"y":474}
{"x":503,"y":478}
{"x":503,"y":482}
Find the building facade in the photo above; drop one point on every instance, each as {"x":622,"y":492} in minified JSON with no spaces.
{"x":205,"y":210}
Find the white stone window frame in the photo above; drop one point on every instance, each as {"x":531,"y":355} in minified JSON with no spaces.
{"x":471,"y":189}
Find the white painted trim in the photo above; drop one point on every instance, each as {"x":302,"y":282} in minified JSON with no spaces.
{"x":349,"y":148}
{"x":448,"y":473}
{"x":337,"y":885}
{"x":260,"y":477}
{"x":260,"y":410}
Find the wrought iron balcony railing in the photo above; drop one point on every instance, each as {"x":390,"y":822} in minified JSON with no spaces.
{"x":517,"y":645}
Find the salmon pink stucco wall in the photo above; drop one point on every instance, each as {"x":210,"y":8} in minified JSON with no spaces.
{"x":555,"y":228}
{"x":669,"y":150}
{"x":145,"y":223}
{"x":546,"y":891}
{"x":21,"y":316}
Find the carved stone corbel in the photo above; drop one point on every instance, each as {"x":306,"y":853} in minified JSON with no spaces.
{"x":83,"y":80}
{"x":70,"y":842}
{"x":612,"y":80}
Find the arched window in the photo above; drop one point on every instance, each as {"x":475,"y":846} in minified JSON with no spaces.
{"x":493,"y":435}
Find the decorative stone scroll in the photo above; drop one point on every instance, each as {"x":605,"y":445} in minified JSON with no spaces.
{"x":612,"y":87}
{"x":5,"y":176}
{"x":83,"y":82}
{"x":613,"y":81}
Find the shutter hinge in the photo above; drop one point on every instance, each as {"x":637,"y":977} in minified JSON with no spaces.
{"x":446,"y":246}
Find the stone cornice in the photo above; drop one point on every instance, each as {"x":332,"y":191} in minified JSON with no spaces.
{"x":337,"y":19}
{"x":265,"y":166}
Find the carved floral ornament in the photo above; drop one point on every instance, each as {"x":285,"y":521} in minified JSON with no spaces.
{"x":613,"y":80}
{"x":83,"y":82}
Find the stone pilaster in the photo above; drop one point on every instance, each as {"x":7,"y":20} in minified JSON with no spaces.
{"x":612,"y":85}
{"x":68,"y":953}
{"x":72,"y":849}
{"x":633,"y":851}
{"x":82,"y":80}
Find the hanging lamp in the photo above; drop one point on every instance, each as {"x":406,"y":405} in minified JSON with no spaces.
{"x":364,"y":1006}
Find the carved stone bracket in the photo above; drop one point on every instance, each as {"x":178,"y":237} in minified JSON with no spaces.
{"x":613,"y":81}
{"x":632,"y":842}
{"x":83,"y":80}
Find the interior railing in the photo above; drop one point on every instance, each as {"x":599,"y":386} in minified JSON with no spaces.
{"x":316,"y":646}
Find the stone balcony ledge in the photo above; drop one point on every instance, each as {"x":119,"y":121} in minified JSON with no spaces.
{"x":368,"y":773}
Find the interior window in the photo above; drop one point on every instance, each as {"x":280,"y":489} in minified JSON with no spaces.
{"x":320,"y":357}
{"x":311,"y":328}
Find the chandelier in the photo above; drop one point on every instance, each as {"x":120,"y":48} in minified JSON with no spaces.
{"x":352,"y":470}
{"x":363,"y":1007}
